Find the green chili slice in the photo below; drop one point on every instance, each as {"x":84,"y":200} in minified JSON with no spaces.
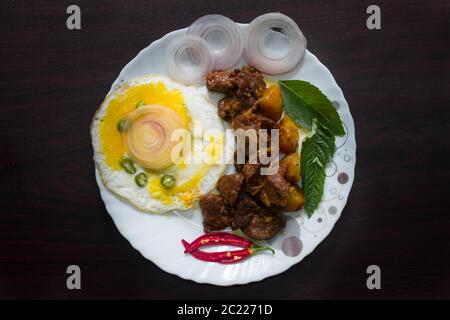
{"x":141,"y":179}
{"x":139,"y":104}
{"x":168,"y":180}
{"x":127,"y":165}
{"x":121,"y":125}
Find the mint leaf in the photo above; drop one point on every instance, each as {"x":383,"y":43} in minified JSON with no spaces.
{"x":303,"y":102}
{"x":317,"y":151}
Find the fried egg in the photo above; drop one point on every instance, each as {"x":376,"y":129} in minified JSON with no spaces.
{"x":192,"y":179}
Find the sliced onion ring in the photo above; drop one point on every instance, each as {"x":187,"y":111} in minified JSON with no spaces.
{"x":268,"y":57}
{"x":224,"y":37}
{"x":147,"y":135}
{"x":189,"y":59}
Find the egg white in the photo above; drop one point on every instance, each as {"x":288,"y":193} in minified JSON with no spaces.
{"x":122,"y":184}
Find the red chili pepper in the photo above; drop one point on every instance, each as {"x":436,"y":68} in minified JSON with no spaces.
{"x":234,"y":256}
{"x":218,"y":238}
{"x":225,"y":257}
{"x":199,"y":254}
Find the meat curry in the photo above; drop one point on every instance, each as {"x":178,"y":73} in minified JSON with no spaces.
{"x":248,"y":200}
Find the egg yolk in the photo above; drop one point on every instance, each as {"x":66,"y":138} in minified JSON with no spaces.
{"x":114,"y":149}
{"x":187,"y":192}
{"x":151,"y":93}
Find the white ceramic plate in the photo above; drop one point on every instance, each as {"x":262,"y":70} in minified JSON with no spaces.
{"x":157,"y":237}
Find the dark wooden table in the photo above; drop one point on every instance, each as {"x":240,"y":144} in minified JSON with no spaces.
{"x":396,"y":81}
